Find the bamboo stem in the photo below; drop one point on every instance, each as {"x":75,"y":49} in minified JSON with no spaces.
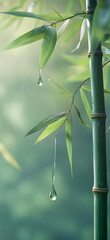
{"x":99,"y":141}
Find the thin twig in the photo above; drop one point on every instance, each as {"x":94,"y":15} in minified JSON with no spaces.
{"x":62,"y":20}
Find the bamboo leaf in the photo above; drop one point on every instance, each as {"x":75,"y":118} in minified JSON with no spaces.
{"x":57,"y":13}
{"x":48,"y":45}
{"x":31,"y":7}
{"x":70,"y":5}
{"x":82,"y":3}
{"x":87,"y":88}
{"x":8,"y":157}
{"x":68,"y":132}
{"x":44,"y":17}
{"x":80,"y":118}
{"x":27,"y":38}
{"x":82,"y":32}
{"x":86,"y":104}
{"x":107,"y":91}
{"x":47,"y":121}
{"x":106,"y":50}
{"x":62,"y":28}
{"x":25,"y":14}
{"x":50,"y":129}
{"x":72,"y":31}
{"x":22,"y":2}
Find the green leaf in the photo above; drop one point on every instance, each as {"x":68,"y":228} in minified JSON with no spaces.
{"x":86,"y":104}
{"x":62,"y":28}
{"x":72,"y":31}
{"x":46,"y":122}
{"x":107,"y":91}
{"x":70,"y":5}
{"x":106,"y":51}
{"x":8,"y":157}
{"x":22,"y":2}
{"x":87,"y":88}
{"x":25,"y":14}
{"x":82,"y":33}
{"x":57,"y":13}
{"x":82,"y":3}
{"x":44,"y":17}
{"x":80,"y":118}
{"x":31,"y":6}
{"x":68,"y":132}
{"x":48,"y":45}
{"x":50,"y":129}
{"x":29,"y":37}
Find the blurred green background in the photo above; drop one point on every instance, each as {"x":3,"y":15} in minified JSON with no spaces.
{"x":26,"y":211}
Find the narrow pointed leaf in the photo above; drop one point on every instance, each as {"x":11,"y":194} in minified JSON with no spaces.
{"x":50,"y":129}
{"x":24,"y":14}
{"x":82,"y":33}
{"x":62,"y":28}
{"x":44,"y":17}
{"x":82,"y":3}
{"x":8,"y":157}
{"x":107,"y":91}
{"x":48,"y":45}
{"x":86,"y":104}
{"x":70,"y":5}
{"x":87,"y":88}
{"x":31,"y":7}
{"x":72,"y":31}
{"x":27,"y":38}
{"x":80,"y":118}
{"x":46,"y":122}
{"x":68,"y":132}
{"x":58,"y":13}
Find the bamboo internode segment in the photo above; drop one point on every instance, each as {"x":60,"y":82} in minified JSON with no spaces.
{"x":97,"y":53}
{"x":100,"y":190}
{"x":98,"y":115}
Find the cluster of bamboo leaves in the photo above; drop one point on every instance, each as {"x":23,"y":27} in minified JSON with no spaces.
{"x":49,"y":33}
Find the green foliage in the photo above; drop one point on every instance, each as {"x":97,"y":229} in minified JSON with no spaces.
{"x":82,"y":3}
{"x":48,"y":44}
{"x":68,"y":132}
{"x":27,"y":38}
{"x":72,"y":31}
{"x":86,"y":104}
{"x":51,"y":128}
{"x":25,"y":14}
{"x":80,"y":118}
{"x":46,"y":122}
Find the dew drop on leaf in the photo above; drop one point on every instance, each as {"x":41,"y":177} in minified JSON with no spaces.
{"x":40,"y":82}
{"x":53,"y":194}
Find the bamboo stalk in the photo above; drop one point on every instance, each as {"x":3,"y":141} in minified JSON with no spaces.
{"x":98,"y":127}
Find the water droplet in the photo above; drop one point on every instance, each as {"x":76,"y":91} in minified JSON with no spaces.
{"x":40,"y":82}
{"x":53,"y":194}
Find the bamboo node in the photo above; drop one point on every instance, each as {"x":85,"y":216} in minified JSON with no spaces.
{"x":90,"y":11}
{"x":100,"y":190}
{"x":98,"y":115}
{"x":97,"y":53}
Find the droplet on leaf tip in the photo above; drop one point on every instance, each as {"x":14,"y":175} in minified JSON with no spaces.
{"x":40,"y":82}
{"x":53,"y":194}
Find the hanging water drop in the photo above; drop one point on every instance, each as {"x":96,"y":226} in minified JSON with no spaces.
{"x":40,"y":82}
{"x":53,"y":194}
